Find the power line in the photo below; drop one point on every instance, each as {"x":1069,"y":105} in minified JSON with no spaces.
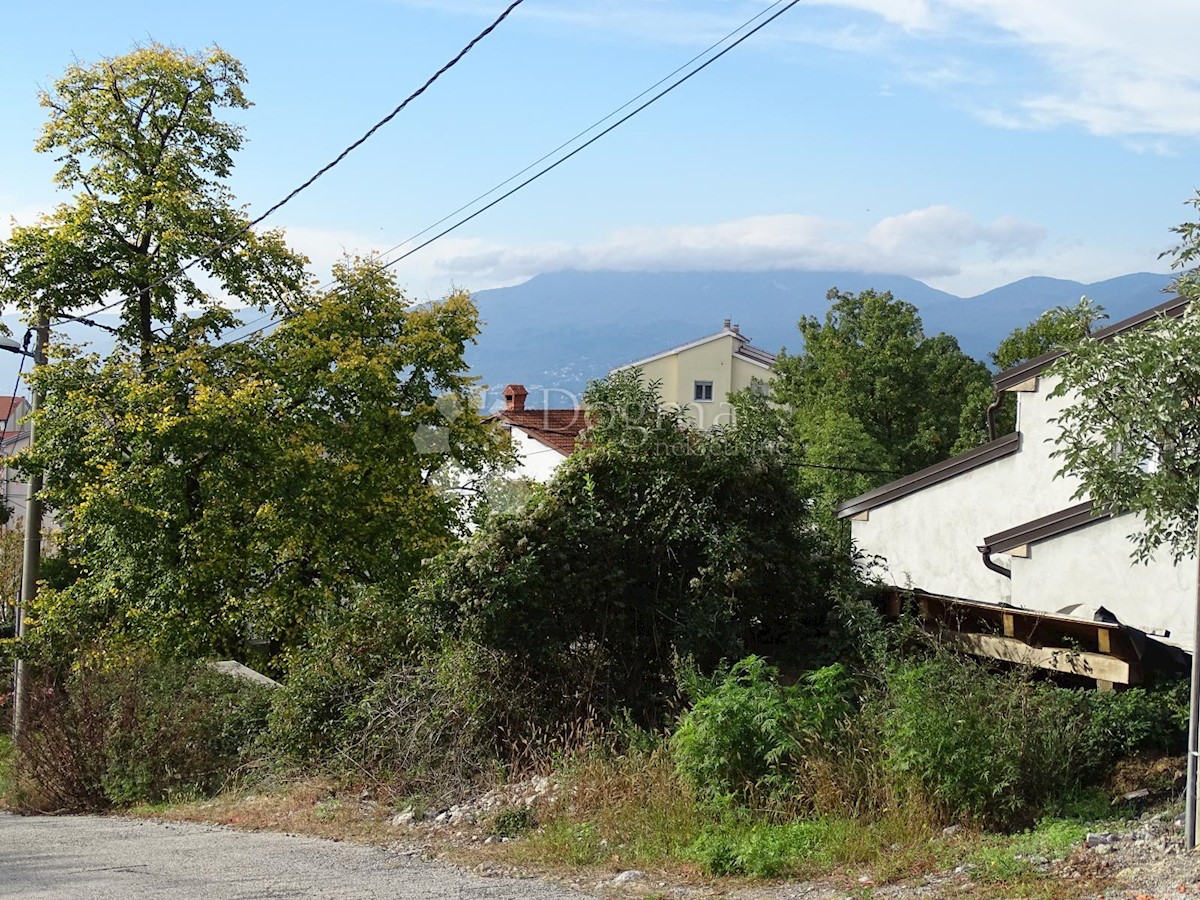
{"x":528,"y":181}
{"x":551,"y":153}
{"x":341,"y":156}
{"x":17,"y":384}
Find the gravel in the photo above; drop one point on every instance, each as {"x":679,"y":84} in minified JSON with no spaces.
{"x":94,"y":858}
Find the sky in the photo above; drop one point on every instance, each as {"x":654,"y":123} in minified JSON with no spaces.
{"x":966,"y":143}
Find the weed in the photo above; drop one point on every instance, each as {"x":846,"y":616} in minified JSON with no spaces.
{"x":513,"y":822}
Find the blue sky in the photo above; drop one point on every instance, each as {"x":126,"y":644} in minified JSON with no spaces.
{"x":967,"y":143}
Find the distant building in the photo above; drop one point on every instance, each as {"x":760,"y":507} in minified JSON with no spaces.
{"x":14,"y":437}
{"x":543,"y":438}
{"x":699,"y":376}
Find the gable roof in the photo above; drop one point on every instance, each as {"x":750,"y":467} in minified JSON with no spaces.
{"x":558,"y":429}
{"x":931,"y":475}
{"x":750,"y":354}
{"x":1028,"y":369}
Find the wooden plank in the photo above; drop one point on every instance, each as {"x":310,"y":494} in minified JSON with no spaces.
{"x":864,"y":516}
{"x":1010,"y":627}
{"x":1056,"y":659}
{"x":1021,"y":552}
{"x":1104,"y":639}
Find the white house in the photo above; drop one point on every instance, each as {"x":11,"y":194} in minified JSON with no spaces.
{"x":543,"y":438}
{"x":995,"y":538}
{"x":14,"y":437}
{"x":699,"y":376}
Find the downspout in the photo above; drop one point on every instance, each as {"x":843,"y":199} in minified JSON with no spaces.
{"x":992,"y":409}
{"x":994,"y":566}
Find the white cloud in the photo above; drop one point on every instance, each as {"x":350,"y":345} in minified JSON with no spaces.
{"x":933,"y":243}
{"x":1112,"y":67}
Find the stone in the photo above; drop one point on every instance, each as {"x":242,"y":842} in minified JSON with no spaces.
{"x":951,"y":830}
{"x":628,"y":876}
{"x":1099,"y":838}
{"x":405,"y":817}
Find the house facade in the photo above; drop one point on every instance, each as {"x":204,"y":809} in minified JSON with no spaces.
{"x":542,"y":438}
{"x":699,"y":376}
{"x":997,"y":526}
{"x":14,"y":437}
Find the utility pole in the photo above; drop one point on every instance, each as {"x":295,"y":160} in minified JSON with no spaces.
{"x":1189,"y":811}
{"x":31,"y":562}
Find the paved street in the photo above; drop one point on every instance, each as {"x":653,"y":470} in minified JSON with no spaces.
{"x":91,"y":858}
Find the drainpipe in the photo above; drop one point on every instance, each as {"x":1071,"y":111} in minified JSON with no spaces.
{"x":994,"y":566}
{"x":992,"y":409}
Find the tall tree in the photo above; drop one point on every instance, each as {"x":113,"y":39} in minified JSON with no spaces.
{"x":238,"y":497}
{"x":1131,"y":433}
{"x":871,"y":392}
{"x":143,"y":148}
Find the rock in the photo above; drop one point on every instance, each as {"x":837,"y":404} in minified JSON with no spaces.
{"x":1099,"y":838}
{"x":865,"y":880}
{"x":951,"y":830}
{"x":628,"y":876}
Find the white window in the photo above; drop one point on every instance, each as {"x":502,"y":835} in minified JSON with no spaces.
{"x":704,"y":391}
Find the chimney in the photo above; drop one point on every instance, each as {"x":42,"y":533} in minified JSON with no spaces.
{"x":514,"y":397}
{"x":725,"y":326}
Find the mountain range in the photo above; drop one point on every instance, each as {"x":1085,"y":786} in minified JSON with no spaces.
{"x":557,"y":331}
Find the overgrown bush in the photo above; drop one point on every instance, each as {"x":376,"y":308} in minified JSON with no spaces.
{"x":744,"y":741}
{"x":1005,"y":748}
{"x":140,"y":731}
{"x":654,"y":540}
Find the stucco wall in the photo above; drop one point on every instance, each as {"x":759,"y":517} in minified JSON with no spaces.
{"x":711,"y":361}
{"x":929,"y":539}
{"x":536,"y":460}
{"x":1092,"y":566}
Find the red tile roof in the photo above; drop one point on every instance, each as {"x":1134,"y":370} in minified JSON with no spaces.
{"x":7,"y":404}
{"x":556,"y":428}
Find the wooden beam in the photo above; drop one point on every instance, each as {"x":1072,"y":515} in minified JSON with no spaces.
{"x":1010,"y":626}
{"x":1104,"y":640}
{"x":1021,"y":552}
{"x":1056,"y":659}
{"x":864,"y":516}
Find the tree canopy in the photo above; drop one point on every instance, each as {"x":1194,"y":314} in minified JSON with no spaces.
{"x":870,"y":391}
{"x":1131,"y":433}
{"x":654,"y":541}
{"x":141,"y":142}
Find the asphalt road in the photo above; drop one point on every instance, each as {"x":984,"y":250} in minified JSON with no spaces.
{"x":92,"y":858}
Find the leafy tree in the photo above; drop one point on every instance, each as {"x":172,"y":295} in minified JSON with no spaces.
{"x":1055,"y":329}
{"x":238,"y":496}
{"x":654,"y":541}
{"x":140,"y":141}
{"x":871,"y":392}
{"x":1131,"y":433}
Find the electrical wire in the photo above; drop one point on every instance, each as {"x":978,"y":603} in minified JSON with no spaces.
{"x":341,"y":156}
{"x":24,"y":353}
{"x":528,"y":181}
{"x":571,"y":140}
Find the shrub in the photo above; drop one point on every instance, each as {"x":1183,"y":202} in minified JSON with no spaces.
{"x":743,"y":740}
{"x":143,"y":731}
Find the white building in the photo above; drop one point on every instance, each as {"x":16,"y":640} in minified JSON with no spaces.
{"x":543,"y":438}
{"x":995,"y":539}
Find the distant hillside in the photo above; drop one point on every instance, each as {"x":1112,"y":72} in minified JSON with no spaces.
{"x":558,"y":330}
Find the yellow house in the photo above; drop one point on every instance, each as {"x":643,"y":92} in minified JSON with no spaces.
{"x":700,"y":376}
